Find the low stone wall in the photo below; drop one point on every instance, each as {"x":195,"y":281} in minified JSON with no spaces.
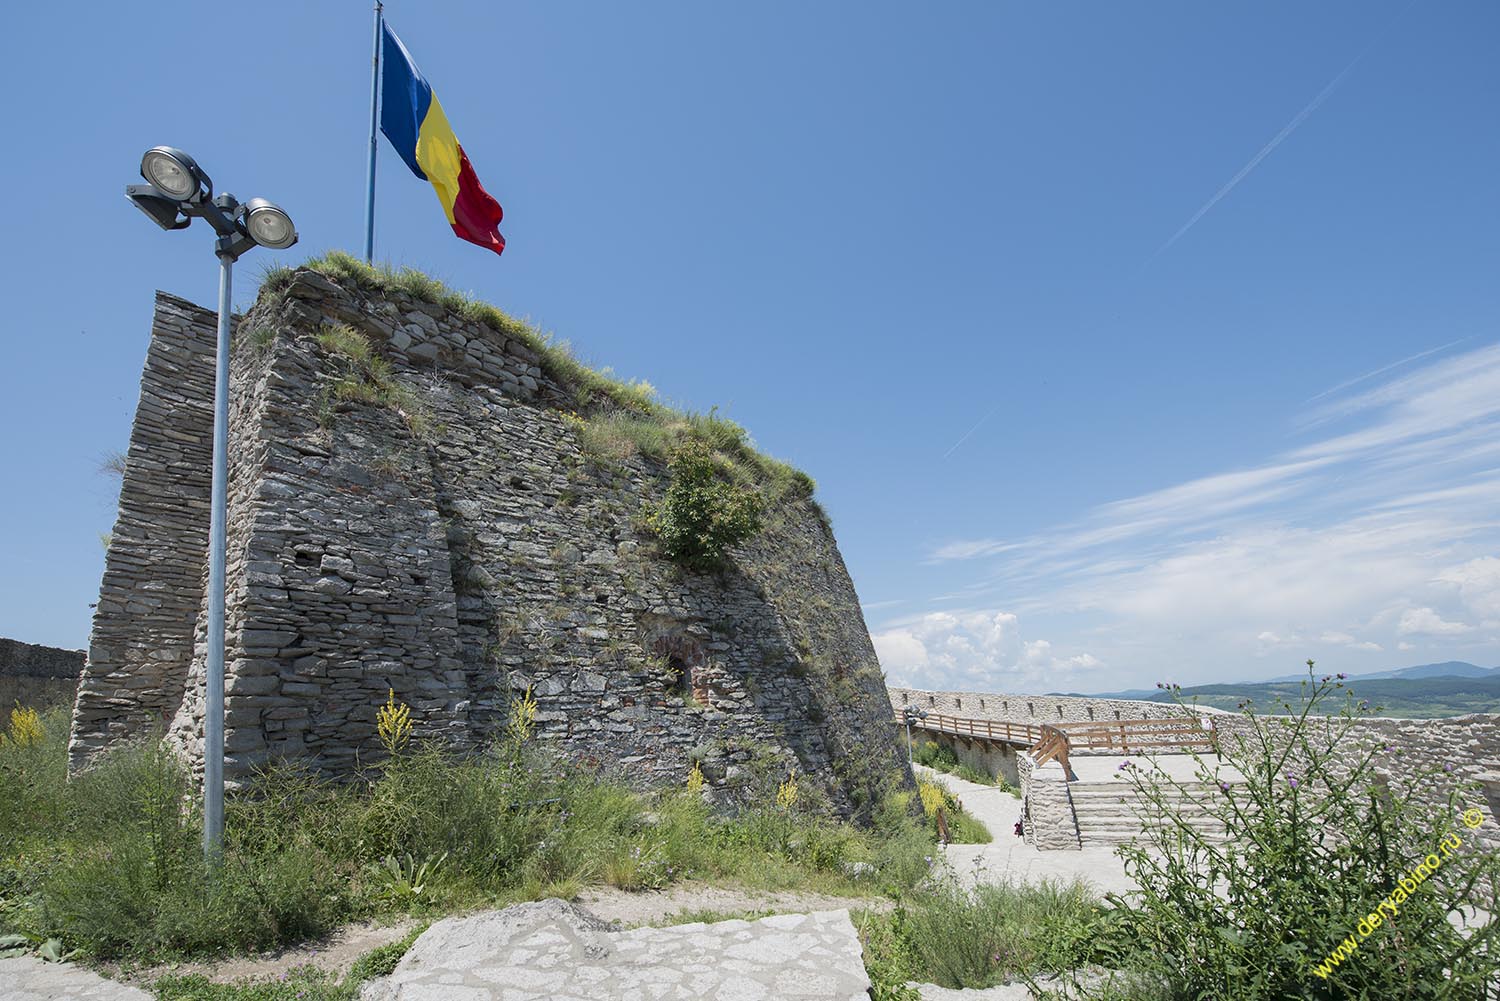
{"x":37,"y":676}
{"x":1466,"y":747}
{"x":1005,"y":707}
{"x":1047,"y":820}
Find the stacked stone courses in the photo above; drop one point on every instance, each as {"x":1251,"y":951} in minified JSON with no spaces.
{"x":456,"y":560}
{"x":32,"y":675}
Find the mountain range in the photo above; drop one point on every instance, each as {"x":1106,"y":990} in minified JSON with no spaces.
{"x":1449,"y":688}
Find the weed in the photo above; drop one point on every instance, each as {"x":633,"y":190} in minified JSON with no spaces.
{"x":1316,"y":839}
{"x":110,"y":861}
{"x":393,"y":724}
{"x":959,"y":938}
{"x":367,"y":378}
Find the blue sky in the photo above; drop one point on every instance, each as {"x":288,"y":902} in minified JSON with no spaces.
{"x":1091,"y":404}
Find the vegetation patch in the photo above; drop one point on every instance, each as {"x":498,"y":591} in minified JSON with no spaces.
{"x":703,"y":515}
{"x":303,"y":983}
{"x":1317,"y":839}
{"x":963,"y":829}
{"x":992,"y":934}
{"x":366,"y":377}
{"x":110,"y":862}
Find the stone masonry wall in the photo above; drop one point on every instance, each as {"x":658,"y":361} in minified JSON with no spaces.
{"x":37,"y":676}
{"x":154,"y":571}
{"x":1047,"y":820}
{"x":1037,"y":709}
{"x":466,"y":553}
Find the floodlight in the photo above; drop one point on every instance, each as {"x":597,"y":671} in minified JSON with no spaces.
{"x":173,"y":172}
{"x":268,"y":225}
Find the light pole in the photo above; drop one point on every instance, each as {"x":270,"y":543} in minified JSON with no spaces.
{"x":909,"y":714}
{"x":176,"y":192}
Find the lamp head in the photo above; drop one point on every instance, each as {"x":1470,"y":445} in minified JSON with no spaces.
{"x":268,"y":225}
{"x":175,"y":174}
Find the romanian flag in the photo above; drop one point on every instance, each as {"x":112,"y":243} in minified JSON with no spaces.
{"x":413,"y":120}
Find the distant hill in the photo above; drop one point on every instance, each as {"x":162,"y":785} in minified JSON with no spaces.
{"x":1445,"y":669}
{"x":1450,"y":688}
{"x":1412,"y":698}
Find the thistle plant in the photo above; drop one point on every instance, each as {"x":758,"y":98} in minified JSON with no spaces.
{"x":393,"y":723}
{"x":1316,"y":835}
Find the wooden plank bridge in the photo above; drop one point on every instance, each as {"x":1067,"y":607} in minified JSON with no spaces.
{"x":1054,"y":741}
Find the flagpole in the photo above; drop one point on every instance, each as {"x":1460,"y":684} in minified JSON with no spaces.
{"x":374,"y":120}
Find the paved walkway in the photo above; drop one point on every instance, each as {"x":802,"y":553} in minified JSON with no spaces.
{"x":556,"y":951}
{"x":27,"y":978}
{"x":1008,"y":857}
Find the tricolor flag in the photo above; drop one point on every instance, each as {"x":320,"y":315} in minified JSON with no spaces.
{"x":413,"y":120}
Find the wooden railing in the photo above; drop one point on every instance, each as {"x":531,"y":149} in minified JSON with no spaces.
{"x":1052,"y":745}
{"x":1053,"y":741}
{"x":1127,"y":735}
{"x":998,"y":731}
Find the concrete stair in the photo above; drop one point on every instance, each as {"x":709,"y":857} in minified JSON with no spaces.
{"x":1107,"y":811}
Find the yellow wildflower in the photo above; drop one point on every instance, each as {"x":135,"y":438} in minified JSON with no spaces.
{"x":393,"y":723}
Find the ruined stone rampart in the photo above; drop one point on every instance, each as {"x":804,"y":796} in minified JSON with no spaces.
{"x":37,"y":676}
{"x":1035,"y":709}
{"x":1466,"y":747}
{"x":457,"y":544}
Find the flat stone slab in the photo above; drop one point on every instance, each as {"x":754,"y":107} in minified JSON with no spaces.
{"x":26,"y":978}
{"x":559,"y":951}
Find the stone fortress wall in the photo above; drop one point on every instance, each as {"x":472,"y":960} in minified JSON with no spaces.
{"x":36,"y":676}
{"x":457,"y":561}
{"x":1469,"y":744}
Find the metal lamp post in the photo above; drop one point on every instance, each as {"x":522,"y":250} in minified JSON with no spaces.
{"x":909,"y":714}
{"x":177,"y":192}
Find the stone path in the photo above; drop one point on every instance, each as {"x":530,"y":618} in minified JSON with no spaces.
{"x":26,"y":978}
{"x":1008,"y":857}
{"x":555,"y":950}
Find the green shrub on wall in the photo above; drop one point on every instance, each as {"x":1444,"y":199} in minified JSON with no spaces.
{"x":703,"y":515}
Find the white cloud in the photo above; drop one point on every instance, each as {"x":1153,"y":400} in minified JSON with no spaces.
{"x":1478,"y":583}
{"x":1419,"y":621}
{"x":1379,"y":535}
{"x":974,"y":650}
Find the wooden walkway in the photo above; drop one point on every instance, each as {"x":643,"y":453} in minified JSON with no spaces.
{"x":1055,"y":741}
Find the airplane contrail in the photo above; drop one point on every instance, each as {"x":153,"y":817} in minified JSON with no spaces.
{"x":971,"y":430}
{"x":1278,"y":139}
{"x":1255,"y":160}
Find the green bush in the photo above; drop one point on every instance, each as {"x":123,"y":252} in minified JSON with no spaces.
{"x":934,"y":755}
{"x":995,"y":932}
{"x":703,"y":515}
{"x":971,"y":774}
{"x":1316,"y":841}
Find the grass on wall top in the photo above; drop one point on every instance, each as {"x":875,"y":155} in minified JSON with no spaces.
{"x":615,"y":418}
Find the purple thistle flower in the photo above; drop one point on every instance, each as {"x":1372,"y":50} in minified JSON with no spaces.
{"x":1341,"y":676}
{"x":1291,"y":780}
{"x":1447,"y":766}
